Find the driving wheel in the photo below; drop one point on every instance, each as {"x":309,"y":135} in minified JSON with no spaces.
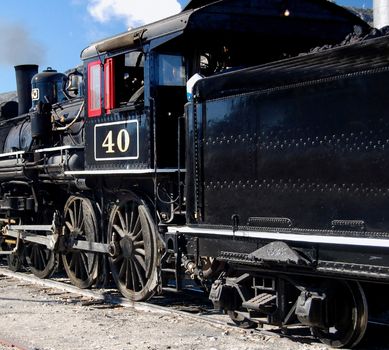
{"x":133,"y":248}
{"x":80,"y":223}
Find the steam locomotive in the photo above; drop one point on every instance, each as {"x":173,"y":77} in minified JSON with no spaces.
{"x":269,"y":186}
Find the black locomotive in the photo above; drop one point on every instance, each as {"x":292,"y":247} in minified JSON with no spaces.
{"x":270,"y":185}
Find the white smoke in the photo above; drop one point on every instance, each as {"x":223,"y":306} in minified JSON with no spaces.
{"x":133,"y":12}
{"x":18,"y":47}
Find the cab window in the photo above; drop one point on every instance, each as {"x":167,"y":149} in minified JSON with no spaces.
{"x":123,"y":80}
{"x":94,"y":89}
{"x":171,"y":70}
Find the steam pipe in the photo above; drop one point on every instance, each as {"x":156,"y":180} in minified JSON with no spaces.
{"x":24,"y":74}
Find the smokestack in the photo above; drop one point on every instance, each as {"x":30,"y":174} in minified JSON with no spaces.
{"x":381,"y":13}
{"x":24,"y":74}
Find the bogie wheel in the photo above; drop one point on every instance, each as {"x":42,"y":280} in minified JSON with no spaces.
{"x":41,"y":260}
{"x":80,"y":223}
{"x":15,"y":262}
{"x":347,"y":314}
{"x":133,"y":248}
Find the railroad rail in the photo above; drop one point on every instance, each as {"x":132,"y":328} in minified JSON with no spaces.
{"x":189,"y":306}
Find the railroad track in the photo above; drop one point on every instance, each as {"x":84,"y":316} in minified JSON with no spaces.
{"x":190,"y":305}
{"x":187,"y":305}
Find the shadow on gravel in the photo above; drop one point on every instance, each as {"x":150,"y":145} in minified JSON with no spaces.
{"x":298,"y":334}
{"x":376,"y":337}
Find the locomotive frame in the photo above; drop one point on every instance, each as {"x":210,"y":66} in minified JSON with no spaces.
{"x":240,"y":188}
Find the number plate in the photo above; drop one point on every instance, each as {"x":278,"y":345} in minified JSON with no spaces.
{"x":117,"y":141}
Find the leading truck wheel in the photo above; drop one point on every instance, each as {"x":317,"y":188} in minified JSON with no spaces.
{"x":133,"y":248}
{"x":41,"y":260}
{"x":347,"y":314}
{"x":80,"y":223}
{"x":15,"y":262}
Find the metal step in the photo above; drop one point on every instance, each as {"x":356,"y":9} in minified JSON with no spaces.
{"x":259,"y":302}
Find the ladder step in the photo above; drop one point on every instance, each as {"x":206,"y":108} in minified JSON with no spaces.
{"x":260,"y":301}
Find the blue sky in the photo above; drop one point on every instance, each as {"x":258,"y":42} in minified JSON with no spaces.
{"x":53,"y":33}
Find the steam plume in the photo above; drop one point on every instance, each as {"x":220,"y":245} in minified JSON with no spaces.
{"x":17,"y":46}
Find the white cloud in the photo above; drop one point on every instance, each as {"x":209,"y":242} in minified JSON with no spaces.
{"x":133,"y":12}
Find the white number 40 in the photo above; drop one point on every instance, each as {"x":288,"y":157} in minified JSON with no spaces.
{"x":122,"y":141}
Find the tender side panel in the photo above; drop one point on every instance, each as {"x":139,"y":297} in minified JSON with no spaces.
{"x":301,"y":156}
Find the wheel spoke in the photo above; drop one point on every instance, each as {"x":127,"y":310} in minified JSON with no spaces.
{"x":76,"y":265}
{"x":137,"y":227}
{"x":83,"y":267}
{"x":122,"y":221}
{"x":131,"y":218}
{"x":82,"y":224}
{"x":140,"y":251}
{"x":128,"y":274}
{"x":84,"y":213}
{"x":76,"y":214}
{"x":138,"y":272}
{"x":133,"y":276}
{"x":42,"y":258}
{"x":84,"y":262}
{"x":138,"y":235}
{"x":141,"y":262}
{"x":122,"y":269}
{"x":126,"y":220}
{"x":139,"y":244}
{"x":71,"y":216}
{"x":80,"y":214}
{"x":69,"y":226}
{"x":72,"y":261}
{"x":34,"y":257}
{"x":119,"y":230}
{"x":31,"y":257}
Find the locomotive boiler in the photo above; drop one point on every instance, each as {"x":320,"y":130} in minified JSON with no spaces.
{"x":268,"y":187}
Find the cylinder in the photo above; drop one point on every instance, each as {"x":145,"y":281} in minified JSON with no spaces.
{"x":381,"y":13}
{"x":24,"y":74}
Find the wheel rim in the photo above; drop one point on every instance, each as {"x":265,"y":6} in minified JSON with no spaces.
{"x":80,"y":224}
{"x":348,"y":315}
{"x":41,"y":260}
{"x":15,"y":262}
{"x":133,"y":261}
